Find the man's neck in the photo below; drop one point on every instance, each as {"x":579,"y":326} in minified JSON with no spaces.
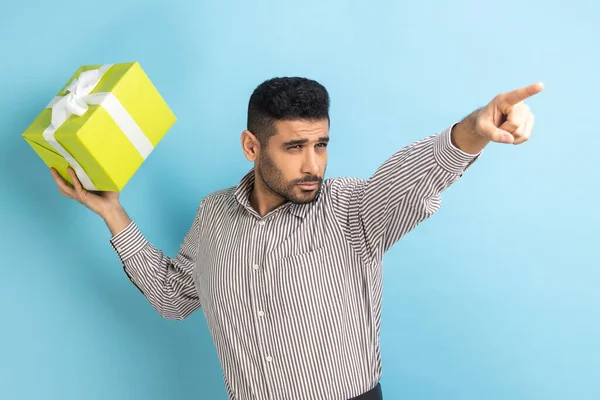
{"x":262,"y":199}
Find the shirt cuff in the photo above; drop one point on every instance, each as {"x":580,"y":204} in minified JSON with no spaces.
{"x":450,"y":157}
{"x":128,"y":242}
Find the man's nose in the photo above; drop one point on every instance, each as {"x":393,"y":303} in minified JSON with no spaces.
{"x":310,"y":165}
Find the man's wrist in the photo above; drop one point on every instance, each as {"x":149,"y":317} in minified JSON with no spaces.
{"x":116,"y":219}
{"x":465,"y":137}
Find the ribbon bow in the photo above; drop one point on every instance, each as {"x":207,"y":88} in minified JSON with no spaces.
{"x":76,"y":99}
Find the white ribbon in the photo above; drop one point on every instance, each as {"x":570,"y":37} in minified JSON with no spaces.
{"x":76,"y":102}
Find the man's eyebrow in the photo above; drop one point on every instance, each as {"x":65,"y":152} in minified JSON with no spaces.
{"x":303,"y":141}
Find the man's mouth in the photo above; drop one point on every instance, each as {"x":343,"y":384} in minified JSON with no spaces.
{"x":308,"y":185}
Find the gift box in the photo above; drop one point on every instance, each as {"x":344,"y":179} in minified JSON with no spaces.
{"x":104,"y":123}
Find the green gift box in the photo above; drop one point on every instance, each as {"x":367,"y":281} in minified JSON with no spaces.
{"x":103,"y":123}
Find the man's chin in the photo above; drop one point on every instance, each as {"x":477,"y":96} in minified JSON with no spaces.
{"x":305,"y":196}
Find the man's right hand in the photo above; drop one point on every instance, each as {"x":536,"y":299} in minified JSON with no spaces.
{"x":105,"y":204}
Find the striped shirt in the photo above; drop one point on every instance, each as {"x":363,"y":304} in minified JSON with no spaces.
{"x":293,"y":299}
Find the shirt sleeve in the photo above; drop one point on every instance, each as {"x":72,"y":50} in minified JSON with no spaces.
{"x":404,"y":191}
{"x":167,"y":283}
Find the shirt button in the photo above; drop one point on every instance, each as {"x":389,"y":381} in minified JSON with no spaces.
{"x":261,"y":223}
{"x":256,"y":267}
{"x":269,"y":358}
{"x":261,"y":313}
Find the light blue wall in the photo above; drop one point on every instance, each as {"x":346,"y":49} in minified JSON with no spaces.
{"x":495,"y":297}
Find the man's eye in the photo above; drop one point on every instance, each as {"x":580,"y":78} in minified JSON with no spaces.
{"x":295,"y":147}
{"x":322,"y":145}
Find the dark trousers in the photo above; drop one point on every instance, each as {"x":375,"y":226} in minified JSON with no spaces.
{"x":373,"y":394}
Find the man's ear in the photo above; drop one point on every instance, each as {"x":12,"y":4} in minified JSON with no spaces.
{"x":250,"y":145}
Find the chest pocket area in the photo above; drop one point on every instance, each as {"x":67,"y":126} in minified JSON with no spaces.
{"x":308,"y":284}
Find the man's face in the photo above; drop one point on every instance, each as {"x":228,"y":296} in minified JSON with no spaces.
{"x":293,"y":164}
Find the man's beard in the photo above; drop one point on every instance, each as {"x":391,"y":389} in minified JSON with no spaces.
{"x":273,"y":179}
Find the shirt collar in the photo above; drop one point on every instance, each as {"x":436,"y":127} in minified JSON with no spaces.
{"x":242,"y":195}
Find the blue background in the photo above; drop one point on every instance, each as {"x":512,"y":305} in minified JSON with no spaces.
{"x":495,"y":297}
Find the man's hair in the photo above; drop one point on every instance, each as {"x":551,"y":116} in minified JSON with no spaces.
{"x":281,"y":99}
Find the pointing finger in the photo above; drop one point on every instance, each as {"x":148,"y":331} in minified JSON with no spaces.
{"x":518,"y":95}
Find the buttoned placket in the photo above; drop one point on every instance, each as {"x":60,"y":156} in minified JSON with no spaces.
{"x":258,"y":286}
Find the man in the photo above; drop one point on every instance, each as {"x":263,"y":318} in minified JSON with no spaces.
{"x":287,"y":266}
